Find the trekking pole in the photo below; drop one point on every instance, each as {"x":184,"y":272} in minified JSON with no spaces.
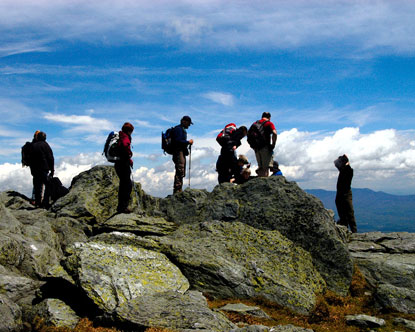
{"x":136,"y":194}
{"x":190,"y":161}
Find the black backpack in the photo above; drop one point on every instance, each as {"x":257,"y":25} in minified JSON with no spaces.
{"x":256,"y":135}
{"x":26,"y":151}
{"x":111,"y":150}
{"x":166,"y":141}
{"x":57,"y":190}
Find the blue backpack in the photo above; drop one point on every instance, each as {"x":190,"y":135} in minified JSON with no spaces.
{"x":166,"y":141}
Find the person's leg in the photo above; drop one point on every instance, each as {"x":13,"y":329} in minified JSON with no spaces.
{"x":264,"y":158}
{"x":349,"y":212}
{"x":124,"y":191}
{"x":340,"y":210}
{"x":37,"y":187}
{"x":46,"y":194}
{"x":180,"y":166}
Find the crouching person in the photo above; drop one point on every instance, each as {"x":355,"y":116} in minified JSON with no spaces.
{"x":123,"y":167}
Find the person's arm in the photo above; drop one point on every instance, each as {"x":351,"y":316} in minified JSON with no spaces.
{"x":274,"y":138}
{"x":50,"y":159}
{"x":179,"y":136}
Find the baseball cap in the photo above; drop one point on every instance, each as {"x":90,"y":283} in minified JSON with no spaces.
{"x":187,"y":118}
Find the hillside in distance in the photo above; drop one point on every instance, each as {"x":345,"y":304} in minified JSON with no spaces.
{"x":375,"y":210}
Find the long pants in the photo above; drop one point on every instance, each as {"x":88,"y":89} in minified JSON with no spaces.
{"x":227,"y":166}
{"x":40,"y":178}
{"x":264,"y":158}
{"x":123,"y":171}
{"x":344,"y":204}
{"x":179,"y":160}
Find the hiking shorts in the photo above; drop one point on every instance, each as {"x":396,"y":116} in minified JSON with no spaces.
{"x":264,"y":157}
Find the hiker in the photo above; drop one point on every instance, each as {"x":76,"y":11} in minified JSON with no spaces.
{"x":26,"y":161}
{"x":262,"y":137}
{"x":244,"y":177}
{"x":41,"y":163}
{"x":242,"y":163}
{"x":180,"y":150}
{"x":227,"y":164}
{"x":123,"y":167}
{"x":275,"y":169}
{"x":344,"y":199}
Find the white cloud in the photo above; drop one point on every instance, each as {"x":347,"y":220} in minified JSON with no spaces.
{"x":81,"y":123}
{"x":220,"y":97}
{"x":364,"y":26}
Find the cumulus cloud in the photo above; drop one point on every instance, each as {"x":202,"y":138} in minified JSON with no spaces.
{"x":365,"y":26}
{"x":220,"y":97}
{"x":80,"y":123}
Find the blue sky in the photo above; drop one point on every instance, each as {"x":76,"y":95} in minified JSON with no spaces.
{"x":337,"y":76}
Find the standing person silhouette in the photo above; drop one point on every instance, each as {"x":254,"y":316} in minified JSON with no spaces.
{"x":123,"y":167}
{"x":180,"y":146}
{"x":42,"y":162}
{"x":344,"y":198}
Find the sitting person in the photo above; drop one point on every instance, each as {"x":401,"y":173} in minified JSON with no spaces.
{"x":245,"y":176}
{"x":275,"y":169}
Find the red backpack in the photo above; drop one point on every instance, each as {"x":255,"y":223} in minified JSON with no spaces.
{"x":225,"y":134}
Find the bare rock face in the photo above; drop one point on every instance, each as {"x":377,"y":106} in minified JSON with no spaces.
{"x":182,"y":312}
{"x":234,"y":260}
{"x":272,"y":204}
{"x":112,"y":274}
{"x":388,"y":263}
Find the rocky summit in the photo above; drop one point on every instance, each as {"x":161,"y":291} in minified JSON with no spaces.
{"x":264,"y":239}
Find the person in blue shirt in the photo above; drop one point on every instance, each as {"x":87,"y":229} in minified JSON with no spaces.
{"x":275,"y":169}
{"x":180,"y":146}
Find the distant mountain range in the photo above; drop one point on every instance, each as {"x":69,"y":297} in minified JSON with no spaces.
{"x":375,"y":210}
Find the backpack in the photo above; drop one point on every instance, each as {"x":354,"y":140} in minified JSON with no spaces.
{"x":256,"y":135}
{"x":225,"y":134}
{"x":57,"y":190}
{"x":166,"y":141}
{"x":111,"y":147}
{"x":26,"y":150}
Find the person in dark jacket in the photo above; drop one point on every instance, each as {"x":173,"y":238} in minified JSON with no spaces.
{"x":344,"y":199}
{"x":180,"y":151}
{"x":227,"y":163}
{"x":32,"y":201}
{"x":123,"y":167}
{"x":42,"y":162}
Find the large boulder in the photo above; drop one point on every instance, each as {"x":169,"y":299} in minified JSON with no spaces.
{"x":11,"y":315}
{"x":173,"y":310}
{"x":29,"y":244}
{"x":93,"y":197}
{"x":112,"y":274}
{"x":272,"y":204}
{"x":388,"y":263}
{"x":55,"y":312}
{"x":235,"y":260}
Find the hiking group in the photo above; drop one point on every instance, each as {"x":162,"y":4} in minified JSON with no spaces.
{"x":261,"y":136}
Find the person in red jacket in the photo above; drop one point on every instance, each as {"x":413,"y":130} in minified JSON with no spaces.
{"x":123,"y":167}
